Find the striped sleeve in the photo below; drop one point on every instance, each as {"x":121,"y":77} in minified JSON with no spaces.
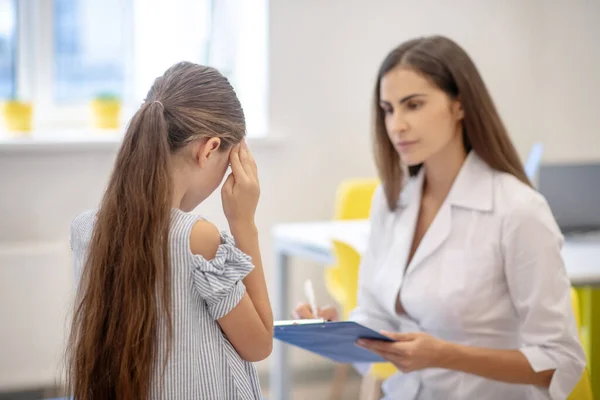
{"x":219,"y":281}
{"x":81,"y":231}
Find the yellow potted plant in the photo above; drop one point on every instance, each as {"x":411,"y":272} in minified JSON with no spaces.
{"x":17,"y":116}
{"x":106,"y":111}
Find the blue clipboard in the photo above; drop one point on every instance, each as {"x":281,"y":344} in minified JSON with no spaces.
{"x":333,"y":340}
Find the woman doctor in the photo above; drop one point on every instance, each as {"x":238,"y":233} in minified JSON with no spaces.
{"x":463,"y":267}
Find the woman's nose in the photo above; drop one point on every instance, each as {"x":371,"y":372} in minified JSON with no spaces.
{"x":397,"y":124}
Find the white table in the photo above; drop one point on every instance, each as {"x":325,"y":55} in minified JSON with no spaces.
{"x":312,"y":240}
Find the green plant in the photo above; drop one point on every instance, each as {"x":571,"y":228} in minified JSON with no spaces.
{"x":107,"y":96}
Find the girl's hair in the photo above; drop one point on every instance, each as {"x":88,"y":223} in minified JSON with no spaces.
{"x":124,"y":297}
{"x":448,"y":67}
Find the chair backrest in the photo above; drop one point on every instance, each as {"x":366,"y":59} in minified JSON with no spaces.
{"x":583,"y":389}
{"x":353,"y":201}
{"x":353,"y":198}
{"x":348,"y":261}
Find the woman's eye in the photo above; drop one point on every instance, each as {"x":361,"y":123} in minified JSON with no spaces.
{"x":414,"y":105}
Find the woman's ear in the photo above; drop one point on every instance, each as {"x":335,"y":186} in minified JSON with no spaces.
{"x":457,"y":110}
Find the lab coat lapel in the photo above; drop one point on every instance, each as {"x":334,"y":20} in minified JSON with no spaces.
{"x":438,"y":232}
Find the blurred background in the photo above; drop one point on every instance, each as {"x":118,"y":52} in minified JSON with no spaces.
{"x":72,"y":72}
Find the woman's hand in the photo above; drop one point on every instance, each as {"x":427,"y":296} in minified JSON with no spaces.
{"x":410,"y":351}
{"x":303,"y":311}
{"x":241,"y":190}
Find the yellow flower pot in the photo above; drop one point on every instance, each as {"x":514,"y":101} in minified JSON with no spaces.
{"x":106,"y":113}
{"x":17,"y":116}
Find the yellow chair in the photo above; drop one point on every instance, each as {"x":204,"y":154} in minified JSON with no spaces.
{"x":353,"y":201}
{"x":583,"y":389}
{"x":589,"y":310}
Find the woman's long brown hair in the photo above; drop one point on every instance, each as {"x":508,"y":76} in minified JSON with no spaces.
{"x":123,"y":304}
{"x":447,"y":66}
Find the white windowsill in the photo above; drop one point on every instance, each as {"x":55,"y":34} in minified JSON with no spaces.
{"x":60,"y":141}
{"x":86,"y":141}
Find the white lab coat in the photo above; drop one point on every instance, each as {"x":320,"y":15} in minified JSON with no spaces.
{"x":487,"y":273}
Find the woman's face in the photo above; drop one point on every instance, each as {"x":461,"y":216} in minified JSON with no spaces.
{"x":421,"y":120}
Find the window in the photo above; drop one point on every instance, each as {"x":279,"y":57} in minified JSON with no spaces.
{"x":8,"y":23}
{"x":74,"y":50}
{"x":89,"y":53}
{"x":159,"y":27}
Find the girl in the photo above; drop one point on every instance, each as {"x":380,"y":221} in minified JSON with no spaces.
{"x":463,"y":267}
{"x":168,"y":307}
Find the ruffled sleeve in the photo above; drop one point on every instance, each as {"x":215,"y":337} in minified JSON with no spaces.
{"x":219,"y":281}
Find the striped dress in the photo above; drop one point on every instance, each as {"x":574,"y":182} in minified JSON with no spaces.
{"x":202,"y":364}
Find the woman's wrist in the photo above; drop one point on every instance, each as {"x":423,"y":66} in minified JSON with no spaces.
{"x":448,"y":354}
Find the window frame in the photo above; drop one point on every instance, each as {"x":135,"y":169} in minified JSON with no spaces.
{"x":13,"y":50}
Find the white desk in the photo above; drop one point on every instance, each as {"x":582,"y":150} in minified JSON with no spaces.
{"x":312,"y":240}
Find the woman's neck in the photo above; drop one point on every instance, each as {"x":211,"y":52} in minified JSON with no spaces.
{"x":442,"y":169}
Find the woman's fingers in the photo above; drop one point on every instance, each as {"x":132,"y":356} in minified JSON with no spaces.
{"x":328,"y":313}
{"x":303,"y":311}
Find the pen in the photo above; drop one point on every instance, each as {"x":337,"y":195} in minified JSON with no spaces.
{"x":310,"y":295}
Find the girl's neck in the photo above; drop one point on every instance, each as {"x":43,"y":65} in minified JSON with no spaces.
{"x":178,"y":181}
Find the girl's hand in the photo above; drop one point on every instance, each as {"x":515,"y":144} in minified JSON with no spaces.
{"x":241,"y":190}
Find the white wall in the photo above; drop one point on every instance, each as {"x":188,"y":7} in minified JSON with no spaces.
{"x":538,"y":58}
{"x":568,"y":80}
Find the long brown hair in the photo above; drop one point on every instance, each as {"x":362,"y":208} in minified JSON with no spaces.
{"x":449,"y":68}
{"x":124,"y":297}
